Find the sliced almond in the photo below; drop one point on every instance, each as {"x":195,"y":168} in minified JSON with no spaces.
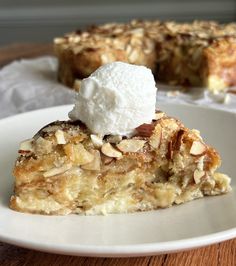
{"x":133,"y":56}
{"x":107,"y":160}
{"x":77,"y":49}
{"x":60,"y":137}
{"x":155,"y":139}
{"x":197,"y":175}
{"x":145,"y":130}
{"x":96,"y":140}
{"x":118,"y":31}
{"x":85,"y":34}
{"x":59,"y":40}
{"x":149,"y":46}
{"x":128,"y":49}
{"x":76,"y":39}
{"x":197,"y":148}
{"x":95,"y":165}
{"x":78,"y":154}
{"x":178,"y":140}
{"x":26,"y":145}
{"x":147,"y":51}
{"x":137,"y":31}
{"x":170,"y":151}
{"x":130,"y":145}
{"x":200,"y":164}
{"x":197,"y":132}
{"x":118,"y":44}
{"x":105,"y":59}
{"x":57,"y":170}
{"x":110,"y":151}
{"x":136,"y":41}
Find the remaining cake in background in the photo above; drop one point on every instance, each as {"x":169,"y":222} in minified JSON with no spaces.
{"x":124,"y":157}
{"x":201,"y":53}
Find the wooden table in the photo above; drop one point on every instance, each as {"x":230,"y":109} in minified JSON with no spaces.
{"x":219,"y":254}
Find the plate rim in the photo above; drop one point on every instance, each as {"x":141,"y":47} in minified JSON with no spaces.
{"x":133,"y":250}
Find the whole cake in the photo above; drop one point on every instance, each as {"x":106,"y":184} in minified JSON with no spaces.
{"x":201,"y":53}
{"x":116,"y":154}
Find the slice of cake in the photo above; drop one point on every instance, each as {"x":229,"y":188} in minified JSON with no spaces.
{"x":116,"y":154}
{"x":66,"y":169}
{"x":201,"y":53}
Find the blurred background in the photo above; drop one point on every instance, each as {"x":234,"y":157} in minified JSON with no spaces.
{"x":41,"y":20}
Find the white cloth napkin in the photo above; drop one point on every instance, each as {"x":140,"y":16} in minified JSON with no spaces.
{"x":32,"y":84}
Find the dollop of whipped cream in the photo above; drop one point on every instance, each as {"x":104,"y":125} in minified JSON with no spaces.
{"x":115,"y":99}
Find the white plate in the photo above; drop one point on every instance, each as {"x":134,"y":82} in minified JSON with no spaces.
{"x":194,"y":224}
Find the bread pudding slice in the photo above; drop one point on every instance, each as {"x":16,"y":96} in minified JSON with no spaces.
{"x":201,"y":53}
{"x":65,"y":169}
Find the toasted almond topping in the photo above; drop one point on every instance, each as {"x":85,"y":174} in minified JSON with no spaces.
{"x":26,"y":145}
{"x":223,"y":182}
{"x":138,"y":31}
{"x":114,"y":139}
{"x":78,"y":154}
{"x":76,"y":39}
{"x":118,"y":44}
{"x":128,"y":49}
{"x":197,"y":148}
{"x":65,"y":46}
{"x":155,"y":139}
{"x":117,"y":31}
{"x":196,"y":131}
{"x":147,"y":51}
{"x":77,"y":49}
{"x":60,"y":137}
{"x":107,"y":160}
{"x":105,"y":59}
{"x":131,"y":145}
{"x":136,"y":41}
{"x":133,"y":56}
{"x":170,"y":151}
{"x":158,"y":115}
{"x":145,"y":130}
{"x":59,"y":40}
{"x":85,"y":34}
{"x":110,"y":151}
{"x":96,"y":140}
{"x":95,"y":165}
{"x":57,"y":170}
{"x":149,"y":46}
{"x":200,"y":164}
{"x":178,"y":140}
{"x":197,"y":175}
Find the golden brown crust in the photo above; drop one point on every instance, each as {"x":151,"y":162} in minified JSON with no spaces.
{"x":66,"y":169}
{"x":221,"y":61}
{"x":199,"y":53}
